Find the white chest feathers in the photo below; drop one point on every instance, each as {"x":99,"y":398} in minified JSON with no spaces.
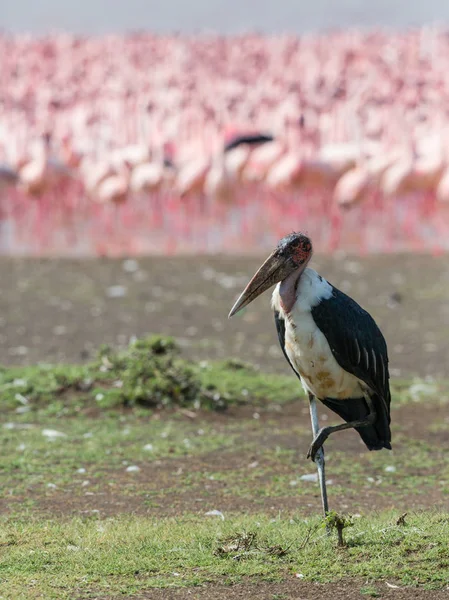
{"x":307,"y":347}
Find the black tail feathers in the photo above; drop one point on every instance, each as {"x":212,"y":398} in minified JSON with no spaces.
{"x":376,"y":436}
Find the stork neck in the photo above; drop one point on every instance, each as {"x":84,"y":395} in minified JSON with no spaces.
{"x":287,"y":289}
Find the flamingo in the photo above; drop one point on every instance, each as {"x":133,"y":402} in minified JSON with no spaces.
{"x":42,"y":171}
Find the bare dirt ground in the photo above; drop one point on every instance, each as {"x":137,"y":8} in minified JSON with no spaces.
{"x":62,"y":310}
{"x":260,"y":472}
{"x":294,"y":590}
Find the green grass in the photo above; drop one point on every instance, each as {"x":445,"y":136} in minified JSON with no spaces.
{"x":103,"y":447}
{"x":149,"y":373}
{"x":231,"y":461}
{"x":105,"y":431}
{"x":125,"y":555}
{"x":148,"y":405}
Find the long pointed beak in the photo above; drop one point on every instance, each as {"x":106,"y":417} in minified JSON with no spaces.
{"x":273,"y":270}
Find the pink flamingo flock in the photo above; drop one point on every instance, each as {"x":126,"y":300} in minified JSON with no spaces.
{"x":142,"y":143}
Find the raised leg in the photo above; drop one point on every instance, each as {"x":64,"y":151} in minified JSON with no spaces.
{"x":321,"y":435}
{"x":318,"y":457}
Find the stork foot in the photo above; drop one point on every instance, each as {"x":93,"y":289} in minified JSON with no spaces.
{"x":317,"y":443}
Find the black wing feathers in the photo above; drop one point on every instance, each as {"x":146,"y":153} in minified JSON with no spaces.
{"x":355,"y":340}
{"x":251,"y":139}
{"x":360,"y":349}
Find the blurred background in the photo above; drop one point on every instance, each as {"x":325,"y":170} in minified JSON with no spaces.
{"x":103,"y":16}
{"x":200,"y":133}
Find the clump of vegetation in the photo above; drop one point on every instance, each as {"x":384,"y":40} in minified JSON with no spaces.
{"x":400,"y":521}
{"x":238,"y":542}
{"x":339,"y":522}
{"x":246,"y":543}
{"x":151,"y":373}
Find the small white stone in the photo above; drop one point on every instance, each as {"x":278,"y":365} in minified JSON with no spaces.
{"x":390,"y":469}
{"x":52,"y":486}
{"x":130,"y":265}
{"x":17,"y":425}
{"x":148,"y":447}
{"x":430,"y":347}
{"x":19,"y":382}
{"x":353,"y":267}
{"x":60,"y":330}
{"x":52,"y":434}
{"x":85,"y":483}
{"x":99,"y":397}
{"x":208,"y":274}
{"x":309,"y":477}
{"x":81,"y":470}
{"x":116,"y":291}
{"x":215,"y":513}
{"x":419,"y":390}
{"x":19,"y":351}
{"x":132,"y":469}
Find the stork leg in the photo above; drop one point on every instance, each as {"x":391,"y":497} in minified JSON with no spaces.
{"x":321,"y":435}
{"x":318,"y":457}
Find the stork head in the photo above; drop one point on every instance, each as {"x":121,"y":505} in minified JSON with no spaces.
{"x":291,"y":255}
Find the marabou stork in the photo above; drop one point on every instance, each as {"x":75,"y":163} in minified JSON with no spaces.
{"x":332,"y":344}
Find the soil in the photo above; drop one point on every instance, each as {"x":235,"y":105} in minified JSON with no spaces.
{"x":180,"y":485}
{"x":62,"y":310}
{"x":292,"y":590}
